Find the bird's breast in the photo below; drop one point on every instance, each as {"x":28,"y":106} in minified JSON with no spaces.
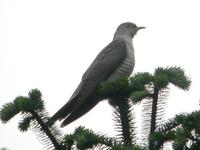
{"x":126,"y":67}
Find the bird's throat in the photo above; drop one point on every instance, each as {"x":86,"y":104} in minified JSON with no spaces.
{"x":123,"y":37}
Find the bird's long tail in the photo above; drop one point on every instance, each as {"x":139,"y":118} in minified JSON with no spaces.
{"x":63,"y":112}
{"x":80,"y":111}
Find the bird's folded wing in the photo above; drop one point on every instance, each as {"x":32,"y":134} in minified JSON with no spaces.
{"x":102,"y":67}
{"x":106,"y":61}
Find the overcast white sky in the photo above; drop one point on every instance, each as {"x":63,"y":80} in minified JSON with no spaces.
{"x":48,"y":44}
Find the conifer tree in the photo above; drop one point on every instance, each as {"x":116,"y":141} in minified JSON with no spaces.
{"x":149,"y":89}
{"x":183,"y":131}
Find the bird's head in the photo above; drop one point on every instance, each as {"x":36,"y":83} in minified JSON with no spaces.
{"x":127,"y":29}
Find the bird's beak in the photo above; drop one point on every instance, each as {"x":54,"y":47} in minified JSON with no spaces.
{"x":138,"y":28}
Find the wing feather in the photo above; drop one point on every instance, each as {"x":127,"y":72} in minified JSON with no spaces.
{"x":102,"y":67}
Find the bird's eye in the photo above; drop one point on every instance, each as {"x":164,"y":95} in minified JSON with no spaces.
{"x":130,"y":26}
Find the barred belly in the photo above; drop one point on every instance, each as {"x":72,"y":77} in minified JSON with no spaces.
{"x":126,"y":68}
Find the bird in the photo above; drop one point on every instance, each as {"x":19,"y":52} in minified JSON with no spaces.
{"x":117,"y":59}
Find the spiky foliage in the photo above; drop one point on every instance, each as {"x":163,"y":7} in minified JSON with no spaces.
{"x":111,"y":90}
{"x":183,"y":131}
{"x":118,"y":94}
{"x":34,"y":116}
{"x":141,"y":84}
{"x":124,"y":122}
{"x":153,"y":91}
{"x":83,"y":138}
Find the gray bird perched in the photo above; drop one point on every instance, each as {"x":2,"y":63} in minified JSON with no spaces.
{"x":115,"y":60}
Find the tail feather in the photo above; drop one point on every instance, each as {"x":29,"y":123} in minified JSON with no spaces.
{"x":80,"y":111}
{"x":68,"y":107}
{"x":64,"y":111}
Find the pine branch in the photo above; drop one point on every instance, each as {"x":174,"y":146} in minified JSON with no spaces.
{"x":44,"y":129}
{"x":158,"y":93}
{"x":8,"y":111}
{"x":123,"y":118}
{"x":34,"y":115}
{"x":118,"y":93}
{"x":167,"y":126}
{"x":86,"y":139}
{"x":159,"y":138}
{"x":183,"y":131}
{"x":153,"y":115}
